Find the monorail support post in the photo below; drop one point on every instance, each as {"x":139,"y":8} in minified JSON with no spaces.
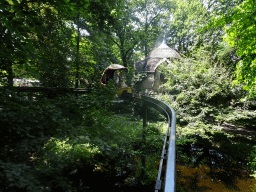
{"x":145,"y":111}
{"x":143,"y":159}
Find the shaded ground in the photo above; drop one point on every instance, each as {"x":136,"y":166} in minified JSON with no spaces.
{"x":245,"y":131}
{"x":216,"y":161}
{"x":239,"y":130}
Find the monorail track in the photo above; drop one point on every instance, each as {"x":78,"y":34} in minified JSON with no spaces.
{"x":169,"y":146}
{"x":168,"y":155}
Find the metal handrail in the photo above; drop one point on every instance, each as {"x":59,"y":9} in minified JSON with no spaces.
{"x":168,"y":154}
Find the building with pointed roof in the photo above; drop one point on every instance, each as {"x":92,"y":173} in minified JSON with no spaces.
{"x":153,"y":77}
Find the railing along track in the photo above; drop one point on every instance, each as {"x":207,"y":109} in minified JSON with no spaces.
{"x":168,"y":152}
{"x":43,"y":89}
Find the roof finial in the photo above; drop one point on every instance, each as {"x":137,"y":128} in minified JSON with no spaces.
{"x":164,"y":44}
{"x":164,"y":40}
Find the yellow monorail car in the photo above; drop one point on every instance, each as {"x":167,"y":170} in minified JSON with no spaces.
{"x":116,"y":72}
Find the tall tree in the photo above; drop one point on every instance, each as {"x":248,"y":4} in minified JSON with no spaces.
{"x":96,"y":21}
{"x":189,"y":16}
{"x":125,"y":35}
{"x":21,"y":22}
{"x":16,"y":23}
{"x":52,"y":48}
{"x":135,"y":25}
{"x":241,"y":32}
{"x":153,"y":16}
{"x":78,"y":19}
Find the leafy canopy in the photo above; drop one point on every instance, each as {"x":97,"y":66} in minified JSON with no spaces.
{"x":240,"y":33}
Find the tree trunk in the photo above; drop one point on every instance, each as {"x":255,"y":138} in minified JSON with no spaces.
{"x":77,"y":54}
{"x":10,"y":76}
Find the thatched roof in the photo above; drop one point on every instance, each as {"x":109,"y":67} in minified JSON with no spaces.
{"x":163,"y":51}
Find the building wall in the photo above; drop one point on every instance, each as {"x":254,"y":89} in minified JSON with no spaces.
{"x":148,"y":82}
{"x":153,"y":79}
{"x":157,"y":80}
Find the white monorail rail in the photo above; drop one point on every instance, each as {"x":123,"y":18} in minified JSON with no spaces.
{"x":168,"y":152}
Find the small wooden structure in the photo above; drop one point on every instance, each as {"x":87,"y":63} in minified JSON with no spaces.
{"x":161,"y":55}
{"x":115,"y":72}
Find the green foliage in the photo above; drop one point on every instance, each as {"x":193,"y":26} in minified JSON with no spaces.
{"x":71,"y":142}
{"x":27,"y":124}
{"x":20,"y":22}
{"x":187,"y":16}
{"x":227,"y":56}
{"x":198,"y":90}
{"x":148,"y":24}
{"x":51,"y":49}
{"x":96,"y":151}
{"x":16,"y":177}
{"x":242,"y":18}
{"x":204,"y":96}
{"x":232,"y":155}
{"x":37,"y":41}
{"x":240,"y":30}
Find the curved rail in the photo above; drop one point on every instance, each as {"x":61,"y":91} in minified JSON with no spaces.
{"x":168,"y":153}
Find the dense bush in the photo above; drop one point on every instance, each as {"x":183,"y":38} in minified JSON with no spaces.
{"x":203,"y":96}
{"x":198,"y":90}
{"x":73,"y":142}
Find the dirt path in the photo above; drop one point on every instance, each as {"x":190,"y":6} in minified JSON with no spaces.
{"x":240,"y":131}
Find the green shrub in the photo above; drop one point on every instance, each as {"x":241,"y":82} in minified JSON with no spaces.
{"x":198,"y":90}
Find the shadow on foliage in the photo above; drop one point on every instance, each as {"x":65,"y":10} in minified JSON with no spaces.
{"x":226,"y":156}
